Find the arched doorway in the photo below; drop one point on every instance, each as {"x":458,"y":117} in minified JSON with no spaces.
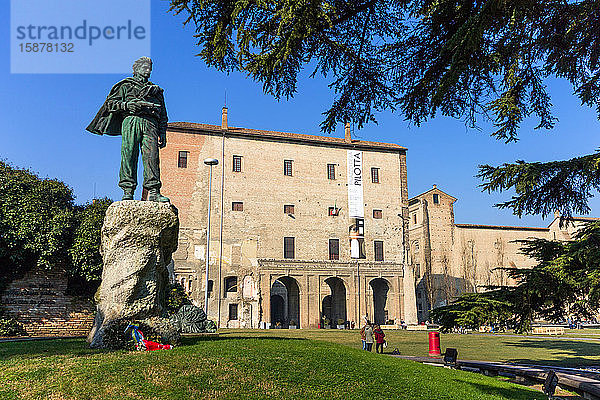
{"x":334,"y":305}
{"x":326,"y":309}
{"x":277,"y":309}
{"x":380,"y":289}
{"x":285,"y":302}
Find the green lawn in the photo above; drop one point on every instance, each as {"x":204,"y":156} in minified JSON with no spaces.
{"x":237,"y":364}
{"x":583,"y":332}
{"x":561,"y":351}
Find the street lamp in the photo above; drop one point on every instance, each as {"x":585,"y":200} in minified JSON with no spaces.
{"x":210,"y":162}
{"x":404,"y":249}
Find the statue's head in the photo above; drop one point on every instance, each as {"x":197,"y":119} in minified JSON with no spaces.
{"x":143,"y":67}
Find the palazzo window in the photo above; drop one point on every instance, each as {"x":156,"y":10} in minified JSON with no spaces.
{"x":182,"y":159}
{"x":288,"y":209}
{"x":237,"y":163}
{"x":377,"y":214}
{"x":288,"y":247}
{"x":334,"y":249}
{"x":331,"y":171}
{"x":436,"y":198}
{"x":233,"y":312}
{"x":237,"y":206}
{"x":287,"y":167}
{"x":231,"y":285}
{"x":378,"y":250}
{"x":375,"y":175}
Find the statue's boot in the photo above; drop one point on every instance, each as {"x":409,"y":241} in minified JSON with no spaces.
{"x":127,"y":194}
{"x":154,"y":195}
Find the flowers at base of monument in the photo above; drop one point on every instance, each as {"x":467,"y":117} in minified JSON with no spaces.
{"x":142,"y":344}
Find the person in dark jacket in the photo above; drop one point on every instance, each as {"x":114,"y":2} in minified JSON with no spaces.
{"x":379,"y":339}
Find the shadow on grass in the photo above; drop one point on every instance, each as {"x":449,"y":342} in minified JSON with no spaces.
{"x":191,"y":340}
{"x":79,"y":347}
{"x":46,"y":348}
{"x":509,"y":393}
{"x":570,"y":353}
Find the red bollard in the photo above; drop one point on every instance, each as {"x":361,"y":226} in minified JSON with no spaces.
{"x":434,"y":344}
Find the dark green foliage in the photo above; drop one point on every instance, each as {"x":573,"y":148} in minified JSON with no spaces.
{"x":85,"y":251}
{"x":40,"y":225}
{"x":36,"y":222}
{"x":457,"y":58}
{"x":211,"y":326}
{"x":565,"y":282}
{"x":273,"y":41}
{"x":117,"y":338}
{"x":567,"y":277}
{"x":542,"y":188}
{"x":9,"y":326}
{"x":471,"y":311}
{"x":176,"y":297}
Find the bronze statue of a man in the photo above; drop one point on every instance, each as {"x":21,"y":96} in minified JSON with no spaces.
{"x":135,"y":109}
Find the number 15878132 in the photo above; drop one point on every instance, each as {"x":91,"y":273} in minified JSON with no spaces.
{"x":43,"y":47}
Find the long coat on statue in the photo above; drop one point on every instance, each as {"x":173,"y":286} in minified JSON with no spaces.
{"x":110,"y":117}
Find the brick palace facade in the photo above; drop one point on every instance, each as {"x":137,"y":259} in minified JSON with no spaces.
{"x":304,"y":229}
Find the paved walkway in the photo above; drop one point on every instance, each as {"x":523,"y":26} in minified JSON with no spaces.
{"x":583,"y":382}
{"x":559,"y":337}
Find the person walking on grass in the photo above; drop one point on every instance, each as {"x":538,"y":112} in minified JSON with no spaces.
{"x":368,"y":337}
{"x":362,"y":337}
{"x":379,"y":339}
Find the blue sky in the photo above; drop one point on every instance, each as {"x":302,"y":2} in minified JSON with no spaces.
{"x":43,"y":119}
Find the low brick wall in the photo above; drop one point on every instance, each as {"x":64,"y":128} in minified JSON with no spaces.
{"x":38,"y":301}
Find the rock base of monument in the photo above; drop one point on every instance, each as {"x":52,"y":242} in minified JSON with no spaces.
{"x":138,"y":238}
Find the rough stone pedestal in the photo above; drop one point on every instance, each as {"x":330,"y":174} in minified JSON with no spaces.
{"x":138,"y":238}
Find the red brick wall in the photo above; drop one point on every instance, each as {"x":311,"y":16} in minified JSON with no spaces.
{"x":38,"y":301}
{"x":179,"y":183}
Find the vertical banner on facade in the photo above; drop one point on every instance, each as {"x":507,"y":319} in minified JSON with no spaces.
{"x":355,"y":185}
